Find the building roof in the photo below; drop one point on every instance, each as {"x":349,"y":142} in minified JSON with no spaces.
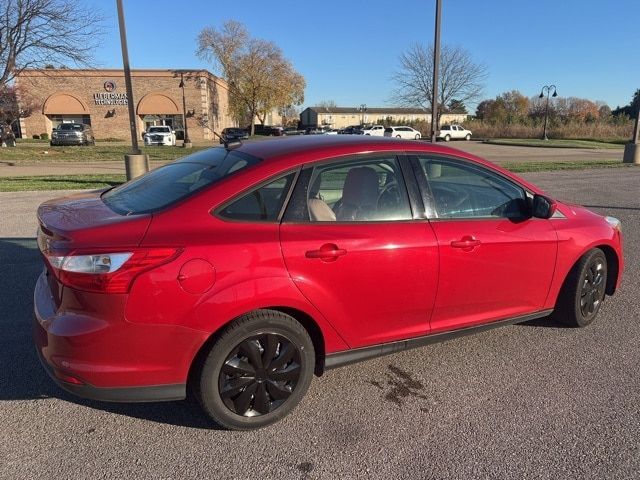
{"x":371,"y":110}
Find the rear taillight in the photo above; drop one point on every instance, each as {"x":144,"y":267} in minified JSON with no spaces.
{"x":107,"y":272}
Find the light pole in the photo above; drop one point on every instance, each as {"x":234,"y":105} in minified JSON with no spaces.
{"x":186,"y":143}
{"x":436,"y":67}
{"x":632,"y":150}
{"x":547,"y":88}
{"x":362,"y":109}
{"x":135,"y":163}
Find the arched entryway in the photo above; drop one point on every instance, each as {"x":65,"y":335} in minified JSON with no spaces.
{"x":65,"y":107}
{"x":157,"y":108}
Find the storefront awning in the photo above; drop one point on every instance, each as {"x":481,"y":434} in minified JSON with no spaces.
{"x":64,"y":104}
{"x":157,"y":104}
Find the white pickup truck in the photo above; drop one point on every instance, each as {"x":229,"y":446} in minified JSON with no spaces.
{"x":453,"y":132}
{"x":160,"y":135}
{"x":374,"y":130}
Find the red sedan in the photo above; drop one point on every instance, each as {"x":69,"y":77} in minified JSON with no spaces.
{"x":242,"y":271}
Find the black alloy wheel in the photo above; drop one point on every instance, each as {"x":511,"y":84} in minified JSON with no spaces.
{"x":593,"y":286}
{"x":583,"y":291}
{"x":259,"y":375}
{"x":257,"y":370}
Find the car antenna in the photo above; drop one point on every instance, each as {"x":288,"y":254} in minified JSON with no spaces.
{"x":228,"y":144}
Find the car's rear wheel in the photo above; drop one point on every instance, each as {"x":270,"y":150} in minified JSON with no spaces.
{"x":257,"y":371}
{"x":583,"y":291}
{"x":447,"y":138}
{"x":468,"y":137}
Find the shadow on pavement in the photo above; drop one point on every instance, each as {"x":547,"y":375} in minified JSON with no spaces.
{"x":23,"y":378}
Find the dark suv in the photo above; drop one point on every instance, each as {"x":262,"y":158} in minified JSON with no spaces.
{"x":232,"y":134}
{"x":72,"y":134}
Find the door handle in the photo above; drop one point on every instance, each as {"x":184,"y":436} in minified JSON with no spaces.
{"x":466,"y":243}
{"x":328,"y":252}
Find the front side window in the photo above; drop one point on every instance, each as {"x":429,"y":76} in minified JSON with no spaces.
{"x":369,"y":190}
{"x":462,"y":190}
{"x":262,"y":204}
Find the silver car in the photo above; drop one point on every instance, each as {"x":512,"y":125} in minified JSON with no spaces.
{"x":72,"y":134}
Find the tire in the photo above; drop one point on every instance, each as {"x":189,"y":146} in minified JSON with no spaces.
{"x":398,"y":136}
{"x":468,"y":137}
{"x":447,"y":138}
{"x":583,"y":291}
{"x":417,"y":137}
{"x":283,"y":382}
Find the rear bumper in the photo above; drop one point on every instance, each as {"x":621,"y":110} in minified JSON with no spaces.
{"x":95,"y":353}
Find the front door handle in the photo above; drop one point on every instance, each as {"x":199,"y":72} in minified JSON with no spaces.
{"x":329,"y":252}
{"x":467,"y":243}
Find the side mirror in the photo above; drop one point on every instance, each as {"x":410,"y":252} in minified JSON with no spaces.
{"x":543,"y":207}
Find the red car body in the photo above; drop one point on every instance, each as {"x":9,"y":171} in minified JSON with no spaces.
{"x":359,"y":288}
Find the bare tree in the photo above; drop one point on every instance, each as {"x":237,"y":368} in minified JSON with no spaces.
{"x":460,"y":78}
{"x":36,"y":33}
{"x":260,"y":79}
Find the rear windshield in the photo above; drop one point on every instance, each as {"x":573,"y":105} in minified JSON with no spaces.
{"x":171,"y":183}
{"x":69,"y":126}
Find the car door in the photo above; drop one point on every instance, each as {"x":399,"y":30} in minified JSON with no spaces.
{"x":360,"y":251}
{"x":496,"y":261}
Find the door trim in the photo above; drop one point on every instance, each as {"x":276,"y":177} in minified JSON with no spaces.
{"x":347,"y":357}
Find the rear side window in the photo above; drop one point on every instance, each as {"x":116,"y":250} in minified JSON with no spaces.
{"x":262,"y":204}
{"x":176,"y":181}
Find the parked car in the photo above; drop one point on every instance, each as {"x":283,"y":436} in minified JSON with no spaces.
{"x":374,"y":130}
{"x":313,"y":131}
{"x":292,"y":131}
{"x":160,"y":135}
{"x":351,"y":130}
{"x":234,"y":134}
{"x":72,"y":134}
{"x":243,"y":271}
{"x":453,"y":132}
{"x":402,"y":132}
{"x":266,"y":130}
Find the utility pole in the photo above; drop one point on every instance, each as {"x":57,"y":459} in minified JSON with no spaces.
{"x":135,"y":163}
{"x":436,"y":66}
{"x":632,"y":150}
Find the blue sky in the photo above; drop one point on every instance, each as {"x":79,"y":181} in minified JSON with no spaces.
{"x":348,"y":49}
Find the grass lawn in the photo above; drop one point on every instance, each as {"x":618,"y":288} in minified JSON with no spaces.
{"x":89,"y":182}
{"x":60,"y":182}
{"x":45,"y":154}
{"x":569,"y":143}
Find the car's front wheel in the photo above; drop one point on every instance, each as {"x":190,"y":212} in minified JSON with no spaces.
{"x":257,"y":371}
{"x":467,"y":137}
{"x":583,"y":291}
{"x":417,"y":136}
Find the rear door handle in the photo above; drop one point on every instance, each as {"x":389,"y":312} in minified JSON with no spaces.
{"x":328,"y":252}
{"x":466,"y":243}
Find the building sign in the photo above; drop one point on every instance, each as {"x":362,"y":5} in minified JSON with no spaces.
{"x":110,"y":97}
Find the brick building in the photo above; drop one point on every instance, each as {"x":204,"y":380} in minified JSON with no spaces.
{"x":99,"y":98}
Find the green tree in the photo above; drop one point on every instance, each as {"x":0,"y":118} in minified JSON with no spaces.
{"x":456,"y":106}
{"x":260,"y":79}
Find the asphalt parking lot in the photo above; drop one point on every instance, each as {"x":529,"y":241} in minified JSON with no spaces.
{"x":528,"y":401}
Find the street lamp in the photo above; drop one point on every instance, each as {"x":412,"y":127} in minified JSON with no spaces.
{"x":362,"y":109}
{"x":436,"y":66}
{"x":136,"y":163}
{"x":186,"y":143}
{"x":547,"y":88}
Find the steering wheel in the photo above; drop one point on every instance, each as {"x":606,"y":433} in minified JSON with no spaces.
{"x":448,"y":199}
{"x":389,"y":197}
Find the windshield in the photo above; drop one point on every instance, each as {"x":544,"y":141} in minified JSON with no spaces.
{"x":159,"y":129}
{"x":171,"y":183}
{"x":69,"y":126}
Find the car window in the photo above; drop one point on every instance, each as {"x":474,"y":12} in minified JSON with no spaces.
{"x":445,"y":127}
{"x":261,"y":204}
{"x":175,"y":181}
{"x":352,"y":191}
{"x":462,"y":190}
